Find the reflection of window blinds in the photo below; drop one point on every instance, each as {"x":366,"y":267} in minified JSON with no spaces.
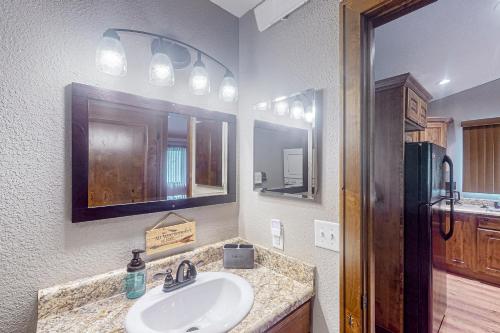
{"x":176,"y":165}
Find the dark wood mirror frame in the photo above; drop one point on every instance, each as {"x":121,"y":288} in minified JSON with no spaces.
{"x":81,"y":212}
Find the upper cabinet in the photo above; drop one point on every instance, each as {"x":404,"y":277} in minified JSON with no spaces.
{"x":415,"y":99}
{"x":436,"y":132}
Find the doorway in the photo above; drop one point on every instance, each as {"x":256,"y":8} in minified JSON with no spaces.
{"x":360,"y":192}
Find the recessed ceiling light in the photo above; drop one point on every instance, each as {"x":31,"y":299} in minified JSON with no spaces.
{"x":444,"y":82}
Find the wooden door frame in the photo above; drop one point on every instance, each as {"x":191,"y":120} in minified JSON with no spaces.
{"x":358,"y":18}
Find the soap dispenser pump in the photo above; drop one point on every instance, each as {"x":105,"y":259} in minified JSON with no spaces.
{"x":135,"y":282}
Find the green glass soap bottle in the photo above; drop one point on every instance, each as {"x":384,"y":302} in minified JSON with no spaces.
{"x":135,"y":282}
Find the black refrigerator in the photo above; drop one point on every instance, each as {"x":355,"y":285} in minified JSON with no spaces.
{"x":428,"y":171}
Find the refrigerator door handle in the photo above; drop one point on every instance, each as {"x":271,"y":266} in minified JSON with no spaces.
{"x":449,"y":234}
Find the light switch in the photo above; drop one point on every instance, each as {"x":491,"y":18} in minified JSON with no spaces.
{"x":327,"y":235}
{"x":277,"y":234}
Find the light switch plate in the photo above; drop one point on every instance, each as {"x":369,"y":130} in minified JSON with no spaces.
{"x":277,"y":234}
{"x":327,"y":235}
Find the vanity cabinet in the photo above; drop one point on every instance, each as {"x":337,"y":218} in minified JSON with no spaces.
{"x":298,"y":321}
{"x":474,"y":249}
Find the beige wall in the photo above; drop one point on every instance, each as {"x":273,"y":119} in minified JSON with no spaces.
{"x":296,"y":54}
{"x":44,"y":46}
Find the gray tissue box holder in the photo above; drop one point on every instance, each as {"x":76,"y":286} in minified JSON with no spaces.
{"x":238,"y":256}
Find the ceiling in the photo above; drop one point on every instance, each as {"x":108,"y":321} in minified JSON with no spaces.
{"x":457,"y":40}
{"x":237,"y":7}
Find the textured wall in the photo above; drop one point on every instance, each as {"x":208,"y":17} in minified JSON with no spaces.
{"x":44,"y":46}
{"x":293,"y":55}
{"x":476,"y":103}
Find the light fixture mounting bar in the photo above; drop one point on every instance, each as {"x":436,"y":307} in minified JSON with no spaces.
{"x":173,"y":40}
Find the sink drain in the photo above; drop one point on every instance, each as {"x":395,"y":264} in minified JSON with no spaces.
{"x":192,"y":329}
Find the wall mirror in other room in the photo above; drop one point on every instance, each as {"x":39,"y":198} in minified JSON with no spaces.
{"x":287,"y":145}
{"x":135,"y":155}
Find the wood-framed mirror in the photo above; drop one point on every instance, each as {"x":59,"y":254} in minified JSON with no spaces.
{"x":135,"y":155}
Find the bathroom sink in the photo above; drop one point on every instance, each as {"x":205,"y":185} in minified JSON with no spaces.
{"x":214,"y":303}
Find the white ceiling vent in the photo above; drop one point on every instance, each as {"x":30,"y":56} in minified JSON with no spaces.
{"x":271,"y":11}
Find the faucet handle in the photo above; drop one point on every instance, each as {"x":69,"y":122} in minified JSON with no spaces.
{"x":163,"y":275}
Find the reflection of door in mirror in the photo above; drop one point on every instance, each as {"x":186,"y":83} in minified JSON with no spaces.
{"x":209,"y":152}
{"x":123,"y":155}
{"x":293,"y":161}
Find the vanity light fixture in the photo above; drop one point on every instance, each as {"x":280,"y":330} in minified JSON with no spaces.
{"x":297,"y":110}
{"x":444,"y":82}
{"x":161,"y":70}
{"x":168,"y":54}
{"x":110,"y":55}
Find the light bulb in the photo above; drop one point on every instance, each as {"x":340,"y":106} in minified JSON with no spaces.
{"x":228,"y":91}
{"x":161,"y":70}
{"x":297,"y":110}
{"x":310,"y":115}
{"x":281,"y":108}
{"x":110,"y":55}
{"x":199,"y":82}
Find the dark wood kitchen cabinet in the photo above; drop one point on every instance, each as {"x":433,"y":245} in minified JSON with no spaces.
{"x":400,"y":105}
{"x":460,"y":249}
{"x":474,"y":249}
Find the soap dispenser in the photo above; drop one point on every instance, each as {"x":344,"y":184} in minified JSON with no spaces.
{"x":135,"y":282}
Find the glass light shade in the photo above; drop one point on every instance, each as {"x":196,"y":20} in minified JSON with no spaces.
{"x":161,"y":70}
{"x":297,"y":110}
{"x":110,"y":57}
{"x":228,"y":91}
{"x":310,"y":115}
{"x":199,"y":82}
{"x":281,"y":108}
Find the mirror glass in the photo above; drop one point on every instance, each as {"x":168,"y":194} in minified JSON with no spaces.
{"x":141,"y":155}
{"x":286,"y":146}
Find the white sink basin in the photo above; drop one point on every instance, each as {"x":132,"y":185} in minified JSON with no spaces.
{"x":214,"y":303}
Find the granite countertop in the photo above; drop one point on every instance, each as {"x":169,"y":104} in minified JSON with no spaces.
{"x":475,"y":209}
{"x":281,"y":284}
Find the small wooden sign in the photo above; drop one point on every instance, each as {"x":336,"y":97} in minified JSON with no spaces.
{"x":160,"y":239}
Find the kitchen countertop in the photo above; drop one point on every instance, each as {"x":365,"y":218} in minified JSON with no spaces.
{"x":281,"y":284}
{"x":475,"y":209}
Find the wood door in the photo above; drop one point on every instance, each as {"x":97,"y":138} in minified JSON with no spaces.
{"x":488,"y":252}
{"x":412,"y":106}
{"x":208,"y":153}
{"x":460,"y":248}
{"x":124,"y":155}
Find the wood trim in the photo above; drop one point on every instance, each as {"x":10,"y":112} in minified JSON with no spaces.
{"x":481,"y":122}
{"x":81,"y":94}
{"x":358,"y":19}
{"x":445,"y":120}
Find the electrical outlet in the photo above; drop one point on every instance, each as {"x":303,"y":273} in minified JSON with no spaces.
{"x":327,"y":235}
